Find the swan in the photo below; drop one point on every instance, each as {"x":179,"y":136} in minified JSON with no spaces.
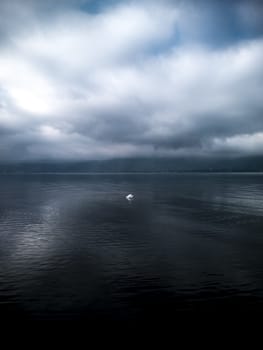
{"x":130,"y":197}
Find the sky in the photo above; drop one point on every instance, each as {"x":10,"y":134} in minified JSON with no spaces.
{"x":85,"y":80}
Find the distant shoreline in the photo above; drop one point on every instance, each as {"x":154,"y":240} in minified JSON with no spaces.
{"x":184,"y":165}
{"x":133,"y":173}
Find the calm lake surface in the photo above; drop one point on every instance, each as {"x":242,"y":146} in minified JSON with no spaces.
{"x":72,"y":246}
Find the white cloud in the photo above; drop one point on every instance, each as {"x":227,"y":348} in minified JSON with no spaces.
{"x":117,"y":84}
{"x":245,"y":143}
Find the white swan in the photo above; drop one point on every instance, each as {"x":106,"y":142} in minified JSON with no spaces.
{"x":130,"y":197}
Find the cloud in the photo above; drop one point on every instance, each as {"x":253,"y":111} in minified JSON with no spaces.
{"x":131,"y":79}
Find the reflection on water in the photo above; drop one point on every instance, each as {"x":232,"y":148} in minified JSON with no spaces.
{"x":72,"y":246}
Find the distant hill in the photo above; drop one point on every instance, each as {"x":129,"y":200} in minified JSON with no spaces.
{"x":253,"y":164}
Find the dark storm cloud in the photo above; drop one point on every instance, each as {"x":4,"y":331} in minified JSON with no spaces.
{"x":97,"y":79}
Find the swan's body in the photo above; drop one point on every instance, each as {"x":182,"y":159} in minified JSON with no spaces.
{"x":130,"y":197}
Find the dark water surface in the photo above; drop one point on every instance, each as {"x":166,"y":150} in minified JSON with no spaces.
{"x":72,"y":246}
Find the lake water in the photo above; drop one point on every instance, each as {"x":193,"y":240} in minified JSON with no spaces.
{"x":72,"y":246}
